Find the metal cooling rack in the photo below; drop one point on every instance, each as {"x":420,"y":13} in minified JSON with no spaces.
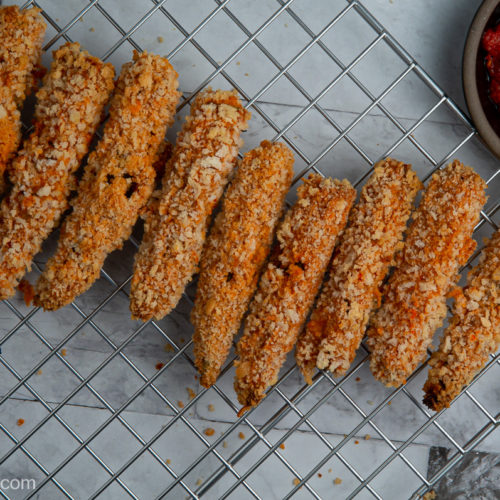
{"x":291,"y":410}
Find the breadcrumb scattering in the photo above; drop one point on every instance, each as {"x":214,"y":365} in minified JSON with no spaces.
{"x":289,"y":283}
{"x":360,"y":263}
{"x":235,"y":251}
{"x":118,"y":179}
{"x":473,"y":333}
{"x":21,"y":37}
{"x":42,"y":174}
{"x":175,"y":229}
{"x":439,"y":242}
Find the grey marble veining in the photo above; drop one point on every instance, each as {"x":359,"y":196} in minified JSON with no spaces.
{"x":434,"y":34}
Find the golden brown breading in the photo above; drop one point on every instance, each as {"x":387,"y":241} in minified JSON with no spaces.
{"x":203,"y":158}
{"x":290,"y":282}
{"x":235,"y":251}
{"x":118,"y":180}
{"x":360,"y":263}
{"x":473,"y":333}
{"x":21,"y":36}
{"x":439,"y":242}
{"x":68,"y":111}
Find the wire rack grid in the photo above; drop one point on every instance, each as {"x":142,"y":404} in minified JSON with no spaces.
{"x":46,"y":362}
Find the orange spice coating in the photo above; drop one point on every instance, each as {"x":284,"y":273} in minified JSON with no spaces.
{"x":235,"y":251}
{"x":289,"y":284}
{"x":118,"y":179}
{"x":68,"y":111}
{"x":202,"y":160}
{"x":21,"y":36}
{"x":473,"y":333}
{"x":439,"y":242}
{"x":360,"y":263}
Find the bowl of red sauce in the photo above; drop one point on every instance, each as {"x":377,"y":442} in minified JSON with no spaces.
{"x":481,"y":73}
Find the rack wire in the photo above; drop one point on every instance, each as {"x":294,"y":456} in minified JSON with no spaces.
{"x":171,"y":455}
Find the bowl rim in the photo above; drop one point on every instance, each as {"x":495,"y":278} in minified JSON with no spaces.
{"x":481,"y":122}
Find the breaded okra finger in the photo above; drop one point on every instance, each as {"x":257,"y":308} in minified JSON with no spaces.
{"x":289,"y":283}
{"x":235,"y":251}
{"x":360,"y":263}
{"x":68,"y":111}
{"x":473,"y":333}
{"x":21,"y":36}
{"x":198,"y":171}
{"x":118,"y":180}
{"x":439,"y":242}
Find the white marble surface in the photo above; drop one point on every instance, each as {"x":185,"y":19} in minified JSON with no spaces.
{"x":433,"y":32}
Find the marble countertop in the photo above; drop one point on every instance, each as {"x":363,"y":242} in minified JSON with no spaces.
{"x":433,"y":33}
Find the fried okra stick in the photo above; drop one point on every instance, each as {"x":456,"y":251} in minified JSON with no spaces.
{"x":439,"y":242}
{"x":238,"y":244}
{"x":21,"y":36}
{"x":473,"y":333}
{"x":118,"y":180}
{"x":69,"y":109}
{"x":360,"y":263}
{"x":198,"y":171}
{"x":289,"y":284}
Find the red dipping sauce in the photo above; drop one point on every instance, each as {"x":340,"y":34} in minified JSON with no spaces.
{"x":491,"y":44}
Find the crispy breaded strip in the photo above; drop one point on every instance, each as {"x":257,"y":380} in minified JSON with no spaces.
{"x":118,"y":180}
{"x":414,"y":300}
{"x":235,"y":251}
{"x":21,"y":36}
{"x":473,"y":333}
{"x":68,"y":111}
{"x":360,"y":263}
{"x":203,"y":158}
{"x":290,"y":282}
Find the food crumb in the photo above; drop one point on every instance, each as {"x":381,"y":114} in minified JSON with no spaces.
{"x":246,"y":74}
{"x":180,"y":404}
{"x":367,"y":437}
{"x":224,"y":444}
{"x":26,"y":288}
{"x":209,"y":431}
{"x":337,"y":480}
{"x":20,"y":422}
{"x":296,"y":481}
{"x":430,"y":495}
{"x":211,"y":407}
{"x":358,"y":379}
{"x":198,"y":482}
{"x":241,"y":435}
{"x":168,"y":348}
{"x":168,"y":461}
{"x":356,"y":442}
{"x":159,"y":366}
{"x":282,"y":446}
{"x":191,"y":393}
{"x":39,"y":372}
{"x":182,"y":340}
{"x":286,"y":25}
{"x":330,"y":471}
{"x":160,"y":39}
{"x":238,"y":63}
{"x":64,"y":352}
{"x":370,"y":402}
{"x":92,"y":29}
{"x":320,"y":475}
{"x":389,"y":403}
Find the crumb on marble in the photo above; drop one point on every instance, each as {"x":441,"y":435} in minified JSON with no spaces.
{"x":211,"y":407}
{"x":358,"y":379}
{"x":282,"y":446}
{"x":160,"y":39}
{"x":209,"y":431}
{"x":92,"y":29}
{"x":329,"y":471}
{"x":64,"y":352}
{"x":367,"y":437}
{"x":356,"y":442}
{"x":180,"y":404}
{"x":337,"y":481}
{"x":39,"y":372}
{"x":168,"y":461}
{"x":168,"y":348}
{"x":159,"y":366}
{"x":191,"y":393}
{"x":224,"y":444}
{"x":320,"y":475}
{"x":20,"y":422}
{"x":296,"y":481}
{"x":198,"y":482}
{"x":430,"y":495}
{"x":241,"y":435}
